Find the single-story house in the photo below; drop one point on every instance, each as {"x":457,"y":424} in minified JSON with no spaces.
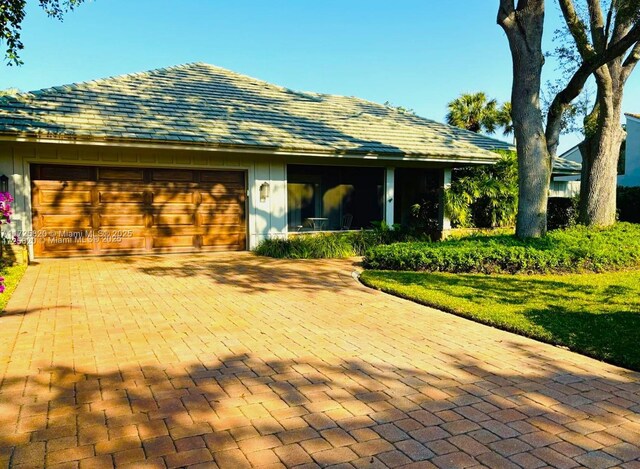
{"x":629,"y":163}
{"x":195,"y":158}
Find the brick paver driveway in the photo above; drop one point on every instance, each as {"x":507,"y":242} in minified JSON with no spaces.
{"x":237,"y":361}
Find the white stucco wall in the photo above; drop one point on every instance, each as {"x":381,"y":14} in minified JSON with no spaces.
{"x":631,"y":175}
{"x":264,"y":218}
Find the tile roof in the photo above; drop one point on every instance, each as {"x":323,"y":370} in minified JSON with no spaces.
{"x":203,"y":104}
{"x":637,"y":116}
{"x":563,"y":165}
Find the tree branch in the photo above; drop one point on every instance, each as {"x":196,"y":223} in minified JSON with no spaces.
{"x":577,"y":28}
{"x":597,"y":25}
{"x":630,"y":62}
{"x":579,"y":78}
{"x":506,"y":10}
{"x":607,"y":31}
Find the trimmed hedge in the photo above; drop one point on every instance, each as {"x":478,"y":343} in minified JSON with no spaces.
{"x":576,"y":249}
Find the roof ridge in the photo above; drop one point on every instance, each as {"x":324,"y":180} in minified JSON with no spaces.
{"x":79,"y":84}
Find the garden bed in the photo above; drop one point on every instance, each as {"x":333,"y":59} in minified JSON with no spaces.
{"x":328,"y":245}
{"x":12,"y":276}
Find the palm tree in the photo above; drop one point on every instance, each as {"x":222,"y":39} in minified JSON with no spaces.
{"x":477,"y":113}
{"x":504,"y":119}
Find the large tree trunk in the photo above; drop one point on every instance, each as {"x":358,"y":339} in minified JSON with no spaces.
{"x":600,"y":155}
{"x":601,"y":151}
{"x":524,"y":28}
{"x":534,"y":175}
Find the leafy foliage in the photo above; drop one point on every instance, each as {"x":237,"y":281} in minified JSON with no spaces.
{"x":317,"y":246}
{"x":562,"y":212}
{"x":577,"y":116}
{"x":575,"y":249}
{"x":477,"y":113}
{"x":484,"y":196}
{"x":12,"y":13}
{"x":335,"y":245}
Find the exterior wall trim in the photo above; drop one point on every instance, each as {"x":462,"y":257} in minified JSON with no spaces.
{"x":245,"y":150}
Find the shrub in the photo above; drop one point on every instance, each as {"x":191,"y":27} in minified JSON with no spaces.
{"x":629,"y":204}
{"x":484,"y":196}
{"x":335,"y":245}
{"x":316,"y":246}
{"x":572,"y":250}
{"x":562,"y":212}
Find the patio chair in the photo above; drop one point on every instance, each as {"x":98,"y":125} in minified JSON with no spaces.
{"x":306,"y":224}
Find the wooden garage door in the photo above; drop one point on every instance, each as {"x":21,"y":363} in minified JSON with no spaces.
{"x":80,"y":210}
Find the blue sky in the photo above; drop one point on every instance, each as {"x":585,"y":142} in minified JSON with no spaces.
{"x":419,"y":54}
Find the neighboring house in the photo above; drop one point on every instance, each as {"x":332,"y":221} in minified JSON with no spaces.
{"x":630,"y":170}
{"x":565,"y":178}
{"x":195,"y":158}
{"x":629,"y":165}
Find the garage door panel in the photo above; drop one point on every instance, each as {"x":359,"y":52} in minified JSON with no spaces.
{"x":215,"y":219}
{"x":222,"y":190}
{"x":126,"y":244}
{"x":221,"y":240}
{"x":63,"y":221}
{"x":185,"y":241}
{"x":66,"y":247}
{"x":123,"y":220}
{"x":210,"y":202}
{"x":171,"y":175}
{"x":172,"y":219}
{"x":165,"y":197}
{"x":64,"y":173}
{"x":223,"y":230}
{"x":121,"y":197}
{"x":222,"y":176}
{"x":120,"y":174}
{"x":64,"y":197}
{"x":158,"y":210}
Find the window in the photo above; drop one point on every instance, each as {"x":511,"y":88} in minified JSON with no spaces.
{"x":343,"y":197}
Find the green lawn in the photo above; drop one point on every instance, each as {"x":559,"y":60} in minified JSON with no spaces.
{"x":594,"y":314}
{"x":12,"y":276}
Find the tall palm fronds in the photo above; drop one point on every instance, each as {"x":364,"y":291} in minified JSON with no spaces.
{"x":477,"y":113}
{"x":484,"y":196}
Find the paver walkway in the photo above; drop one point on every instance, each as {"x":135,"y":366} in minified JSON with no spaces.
{"x":235,"y":361}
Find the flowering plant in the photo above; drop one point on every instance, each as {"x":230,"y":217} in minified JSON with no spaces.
{"x":5,"y":207}
{"x":5,"y":217}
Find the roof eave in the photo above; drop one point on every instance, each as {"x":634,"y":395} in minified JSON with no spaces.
{"x":231,"y":148}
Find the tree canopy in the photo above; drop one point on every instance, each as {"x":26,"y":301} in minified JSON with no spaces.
{"x":12,"y":13}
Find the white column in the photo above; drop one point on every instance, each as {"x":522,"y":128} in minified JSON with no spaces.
{"x":389,"y":196}
{"x":445,"y":223}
